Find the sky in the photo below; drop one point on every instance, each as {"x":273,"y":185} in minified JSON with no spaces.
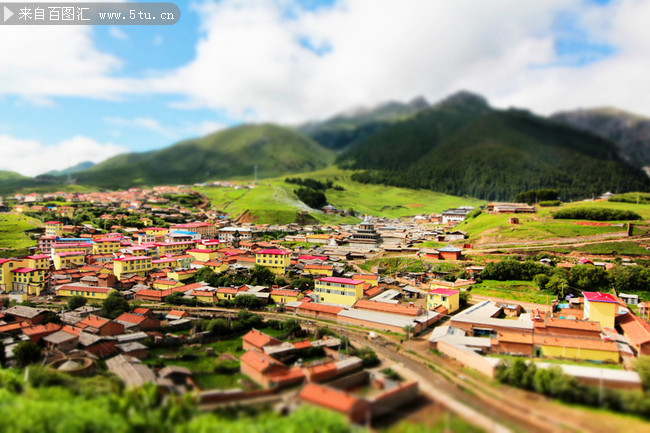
{"x":77,"y":93}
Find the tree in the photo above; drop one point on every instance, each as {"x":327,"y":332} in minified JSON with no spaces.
{"x":26,"y":353}
{"x":76,"y":302}
{"x":541,"y":280}
{"x":205,"y":274}
{"x":262,"y":276}
{"x":114,"y":305}
{"x":291,"y":328}
{"x":642,"y":366}
{"x":558,"y":285}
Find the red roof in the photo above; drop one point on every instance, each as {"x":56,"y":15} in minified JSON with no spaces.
{"x":329,"y":397}
{"x":275,"y":251}
{"x":24,"y":270}
{"x":93,"y":322}
{"x":302,"y":344}
{"x":48,"y":328}
{"x":634,"y":328}
{"x":404,"y":310}
{"x":310,"y":257}
{"x":131,"y":318}
{"x":141,"y":310}
{"x":39,"y":256}
{"x":320,"y":308}
{"x":178,"y":313}
{"x":200,"y":250}
{"x":340,"y":280}
{"x":259,"y":361}
{"x":600,"y":297}
{"x":284,"y":292}
{"x":85,"y":288}
{"x":53,"y":222}
{"x":441,"y":291}
{"x":71,"y":253}
{"x":126,"y":259}
{"x":259,"y":339}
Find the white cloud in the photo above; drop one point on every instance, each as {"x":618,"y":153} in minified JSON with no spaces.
{"x":31,"y":157}
{"x":204,"y":128}
{"x":147,"y":123}
{"x":118,"y":33}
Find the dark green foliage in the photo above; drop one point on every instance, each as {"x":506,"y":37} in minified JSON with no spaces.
{"x":367,"y":355}
{"x":261,"y":276}
{"x":249,"y":302}
{"x":510,"y":269}
{"x":554,"y":383}
{"x":310,"y":183}
{"x":312,"y":198}
{"x":302,"y":283}
{"x":76,"y":302}
{"x":534,"y":196}
{"x":292,"y":328}
{"x":463,"y":147}
{"x":115,"y":305}
{"x":392,"y":374}
{"x":630,"y":278}
{"x":596,"y":214}
{"x":232,"y":152}
{"x":26,"y":353}
{"x":642,"y":366}
{"x":204,"y":274}
{"x":549,"y":203}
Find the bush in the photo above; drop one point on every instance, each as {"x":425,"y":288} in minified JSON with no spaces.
{"x":76,"y":302}
{"x":115,"y":305}
{"x":549,"y":203}
{"x":26,"y":353}
{"x":596,"y":214}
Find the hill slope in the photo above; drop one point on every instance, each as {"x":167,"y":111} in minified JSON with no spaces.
{"x":629,"y":131}
{"x":74,"y":169}
{"x":461,"y":146}
{"x":225,"y":154}
{"x":347,"y":129}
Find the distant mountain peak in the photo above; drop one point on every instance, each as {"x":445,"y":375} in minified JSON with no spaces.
{"x":464,"y":98}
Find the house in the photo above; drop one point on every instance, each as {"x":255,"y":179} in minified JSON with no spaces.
{"x":600,"y":307}
{"x":356,"y":409}
{"x":54,"y":228}
{"x":450,"y":252}
{"x":176,"y":314}
{"x":203,"y":255}
{"x":29,"y":315}
{"x":68,"y":259}
{"x":64,"y":340}
{"x":276,"y":260}
{"x":133,"y":373}
{"x":499,"y":208}
{"x":139,"y":265}
{"x":337,"y":290}
{"x":29,"y":280}
{"x":100,"y":326}
{"x":88,"y":292}
{"x":256,"y":340}
{"x":205,"y":296}
{"x":37,"y":332}
{"x":269,"y":372}
{"x":137,"y":322}
{"x":38,"y":261}
{"x":282,"y":296}
{"x":448,"y":298}
{"x":313,"y":269}
{"x":318,"y":311}
{"x":629,"y":299}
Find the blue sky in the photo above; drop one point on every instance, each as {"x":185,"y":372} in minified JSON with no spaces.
{"x":89,"y":93}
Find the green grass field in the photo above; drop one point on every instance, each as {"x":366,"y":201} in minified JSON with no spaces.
{"x":12,"y":231}
{"x":274,"y":202}
{"x":524,"y":291}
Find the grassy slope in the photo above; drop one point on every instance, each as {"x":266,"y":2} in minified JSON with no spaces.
{"x":496,"y":228}
{"x":273,"y":200}
{"x":225,"y":154}
{"x":12,"y":231}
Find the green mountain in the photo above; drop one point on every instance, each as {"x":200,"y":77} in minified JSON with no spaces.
{"x":629,"y":131}
{"x":462,"y":146}
{"x":347,"y":129}
{"x":8,"y":176}
{"x":230,"y":153}
{"x":70,"y":170}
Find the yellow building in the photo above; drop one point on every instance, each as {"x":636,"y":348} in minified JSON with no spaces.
{"x":28,"y":280}
{"x":448,"y":298}
{"x":326,"y":270}
{"x":173,"y":247}
{"x":70,"y":259}
{"x":282,"y":296}
{"x":53,"y":228}
{"x":38,"y":261}
{"x":146,"y":221}
{"x":373,"y":279}
{"x":106,"y":245}
{"x":168,"y":262}
{"x":66,"y":211}
{"x":580,"y":349}
{"x":217,"y":266}
{"x":165,"y":284}
{"x":6,"y":276}
{"x":206,"y":296}
{"x":600,"y":307}
{"x":276,"y":260}
{"x":85,"y":291}
{"x":318,"y":239}
{"x":156,"y":231}
{"x":183,"y":275}
{"x":131,"y":265}
{"x":67,"y":247}
{"x":202,"y":255}
{"x":335,"y":290}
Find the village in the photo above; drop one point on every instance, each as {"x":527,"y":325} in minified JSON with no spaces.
{"x":174,"y":294}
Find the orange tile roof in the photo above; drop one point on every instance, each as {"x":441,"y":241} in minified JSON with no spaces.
{"x":323,"y":267}
{"x":41,"y":329}
{"x":13,"y":326}
{"x":322,"y":368}
{"x":286,"y":374}
{"x":404,"y":310}
{"x":329,"y":397}
{"x":260,"y":361}
{"x":302,"y":344}
{"x":284,"y":292}
{"x":634,"y":328}
{"x":131,"y":318}
{"x":312,"y":306}
{"x":515,"y":337}
{"x":373,"y":291}
{"x":583,"y":325}
{"x":93,"y":322}
{"x":259,"y":339}
{"x":582,"y":343}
